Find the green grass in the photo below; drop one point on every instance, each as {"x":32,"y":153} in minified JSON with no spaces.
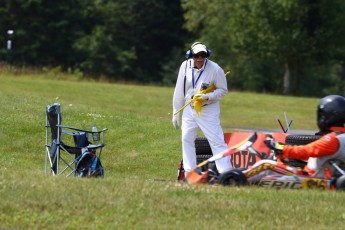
{"x":141,"y":146}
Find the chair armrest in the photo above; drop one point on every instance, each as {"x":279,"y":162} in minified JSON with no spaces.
{"x":82,"y":130}
{"x":95,"y":146}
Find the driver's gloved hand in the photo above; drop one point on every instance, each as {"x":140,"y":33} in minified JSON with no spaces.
{"x":277,"y":147}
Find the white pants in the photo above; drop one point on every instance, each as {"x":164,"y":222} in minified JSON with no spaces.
{"x":209,"y":123}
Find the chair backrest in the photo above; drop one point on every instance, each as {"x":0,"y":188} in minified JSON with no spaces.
{"x":54,"y":118}
{"x":81,"y":139}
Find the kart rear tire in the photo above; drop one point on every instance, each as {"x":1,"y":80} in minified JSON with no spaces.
{"x":201,"y":158}
{"x":340,"y":183}
{"x":234,"y":177}
{"x":202,"y":147}
{"x":301,"y":139}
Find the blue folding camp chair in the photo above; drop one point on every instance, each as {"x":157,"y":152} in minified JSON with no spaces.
{"x":69,"y":150}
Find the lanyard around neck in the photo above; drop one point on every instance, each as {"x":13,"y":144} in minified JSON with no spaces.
{"x":195,"y":82}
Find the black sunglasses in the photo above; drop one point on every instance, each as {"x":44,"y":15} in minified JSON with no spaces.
{"x":201,"y":54}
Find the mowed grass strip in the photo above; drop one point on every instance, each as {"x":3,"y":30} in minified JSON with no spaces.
{"x":142,"y":148}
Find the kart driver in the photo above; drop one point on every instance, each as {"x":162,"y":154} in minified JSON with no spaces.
{"x":330,"y":120}
{"x":198,"y":73}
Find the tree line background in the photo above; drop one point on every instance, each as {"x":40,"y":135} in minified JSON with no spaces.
{"x":294,"y":47}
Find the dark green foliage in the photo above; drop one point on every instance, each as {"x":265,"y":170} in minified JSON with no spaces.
{"x":261,"y":39}
{"x":128,"y":40}
{"x":144,"y":41}
{"x":44,"y":31}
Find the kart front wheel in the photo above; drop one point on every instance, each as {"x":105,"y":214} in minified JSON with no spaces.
{"x":340,"y":183}
{"x":233,"y":177}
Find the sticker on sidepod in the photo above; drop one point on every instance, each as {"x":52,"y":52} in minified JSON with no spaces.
{"x":260,"y":168}
{"x":243,"y":159}
{"x":291,"y":182}
{"x":315,"y":183}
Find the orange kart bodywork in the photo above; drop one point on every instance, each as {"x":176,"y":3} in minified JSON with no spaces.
{"x":256,"y":166}
{"x":275,"y":174}
{"x":240,"y":159}
{"x":245,"y":158}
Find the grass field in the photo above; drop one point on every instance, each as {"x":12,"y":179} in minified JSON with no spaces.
{"x":141,"y":146}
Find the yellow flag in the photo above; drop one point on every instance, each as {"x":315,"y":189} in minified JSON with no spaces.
{"x":199,"y":100}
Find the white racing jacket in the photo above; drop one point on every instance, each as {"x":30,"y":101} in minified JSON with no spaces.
{"x":191,"y":80}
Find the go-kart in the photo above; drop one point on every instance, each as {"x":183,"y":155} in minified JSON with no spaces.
{"x":239,"y":159}
{"x":267,"y":170}
{"x":276,"y":174}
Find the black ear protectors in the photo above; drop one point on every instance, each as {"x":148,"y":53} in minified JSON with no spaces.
{"x":189,"y":53}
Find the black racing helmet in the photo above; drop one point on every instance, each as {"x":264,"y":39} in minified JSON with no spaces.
{"x":331,"y":112}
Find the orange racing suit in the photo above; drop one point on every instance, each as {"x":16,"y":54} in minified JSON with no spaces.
{"x":329,"y":146}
